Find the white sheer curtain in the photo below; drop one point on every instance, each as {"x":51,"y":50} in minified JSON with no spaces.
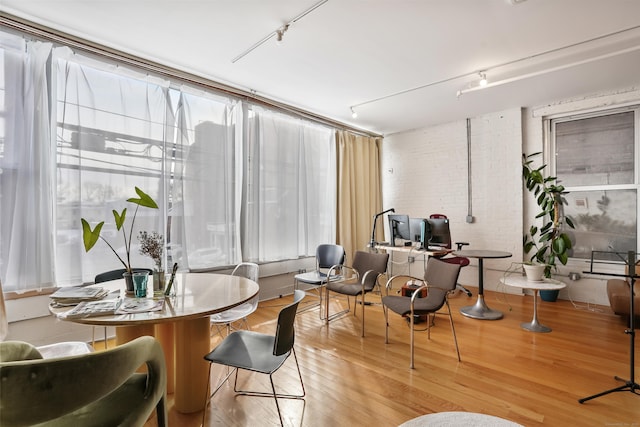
{"x":111,"y":137}
{"x":206,"y":194}
{"x":289,"y":187}
{"x":26,"y":168}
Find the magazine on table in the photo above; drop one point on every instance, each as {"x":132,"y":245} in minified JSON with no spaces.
{"x":140,"y":305}
{"x":77,"y":294}
{"x":94,"y":308}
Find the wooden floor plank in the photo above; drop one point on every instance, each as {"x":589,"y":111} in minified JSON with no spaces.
{"x":531,"y":378}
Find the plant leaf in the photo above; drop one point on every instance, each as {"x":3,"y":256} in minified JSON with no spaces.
{"x":90,"y":237}
{"x":119,"y":218}
{"x":143,"y":200}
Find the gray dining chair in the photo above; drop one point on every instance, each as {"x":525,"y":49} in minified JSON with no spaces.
{"x":329,"y":257}
{"x":258,"y":352}
{"x":440,"y":281}
{"x":358,"y":279}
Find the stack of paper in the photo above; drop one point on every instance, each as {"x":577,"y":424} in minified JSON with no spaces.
{"x":94,"y":308}
{"x":71,"y":295}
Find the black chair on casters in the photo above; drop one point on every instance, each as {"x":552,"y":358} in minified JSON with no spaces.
{"x":261,"y":353}
{"x":451,"y":259}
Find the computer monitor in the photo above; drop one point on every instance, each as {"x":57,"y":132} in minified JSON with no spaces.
{"x":440,"y":233}
{"x":420,"y":231}
{"x":399,"y":227}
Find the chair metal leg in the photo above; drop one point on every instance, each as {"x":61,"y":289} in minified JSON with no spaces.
{"x":411,"y":321}
{"x":453,"y":329}
{"x":273,"y":393}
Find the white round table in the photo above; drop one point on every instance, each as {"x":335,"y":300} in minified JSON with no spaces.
{"x":459,"y":419}
{"x":519,"y":281}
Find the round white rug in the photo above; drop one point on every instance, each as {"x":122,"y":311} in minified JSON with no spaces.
{"x":459,"y":419}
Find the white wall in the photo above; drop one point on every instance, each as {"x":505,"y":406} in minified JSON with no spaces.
{"x":425,"y":171}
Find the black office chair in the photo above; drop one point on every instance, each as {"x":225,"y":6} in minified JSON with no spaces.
{"x":327,"y":256}
{"x":445,"y":241}
{"x":440,"y":279}
{"x":261,"y":353}
{"x":107,"y":276}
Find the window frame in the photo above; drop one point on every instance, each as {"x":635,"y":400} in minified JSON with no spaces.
{"x":550,"y":158}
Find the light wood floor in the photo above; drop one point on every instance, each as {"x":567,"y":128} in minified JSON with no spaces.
{"x":533,"y":379}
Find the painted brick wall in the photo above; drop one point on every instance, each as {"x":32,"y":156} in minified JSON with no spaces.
{"x":425,"y":172}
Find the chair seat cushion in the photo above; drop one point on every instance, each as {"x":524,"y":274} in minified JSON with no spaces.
{"x":350,"y":288}
{"x":234,"y":314}
{"x":248,"y":350}
{"x":402,"y":305}
{"x":315,"y":277}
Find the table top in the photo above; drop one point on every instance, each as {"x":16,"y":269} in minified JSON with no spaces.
{"x":196,"y":295}
{"x":482,"y":253}
{"x":413,"y":249}
{"x":520,"y":281}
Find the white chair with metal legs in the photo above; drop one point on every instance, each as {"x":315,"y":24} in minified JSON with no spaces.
{"x":227,"y":318}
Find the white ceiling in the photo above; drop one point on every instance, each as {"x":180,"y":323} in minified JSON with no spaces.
{"x":358,"y":52}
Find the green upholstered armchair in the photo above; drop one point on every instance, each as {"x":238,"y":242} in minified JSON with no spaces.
{"x":94,"y":389}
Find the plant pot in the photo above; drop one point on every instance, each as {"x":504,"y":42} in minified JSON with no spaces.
{"x":128,"y":280}
{"x":549,"y":295}
{"x":534,"y":272}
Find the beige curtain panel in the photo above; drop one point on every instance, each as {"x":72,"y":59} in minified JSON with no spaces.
{"x":359,"y":189}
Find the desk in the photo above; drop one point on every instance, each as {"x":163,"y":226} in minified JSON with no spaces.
{"x":183,"y":328}
{"x":480,"y":309}
{"x":518,"y":281}
{"x":411,"y":251}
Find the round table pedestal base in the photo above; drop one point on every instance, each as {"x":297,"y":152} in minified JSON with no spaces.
{"x":481,"y":311}
{"x":535,"y":327}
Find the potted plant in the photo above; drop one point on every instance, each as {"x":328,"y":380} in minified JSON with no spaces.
{"x":550,"y":243}
{"x":152,"y":245}
{"x":91,"y":236}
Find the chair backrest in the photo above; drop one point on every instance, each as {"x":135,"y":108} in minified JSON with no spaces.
{"x":104,"y":384}
{"x":370,"y":261}
{"x":440,"y":232}
{"x":328,"y":255}
{"x":285,"y":333}
{"x":116,"y":274}
{"x":249,"y":270}
{"x":441,"y":274}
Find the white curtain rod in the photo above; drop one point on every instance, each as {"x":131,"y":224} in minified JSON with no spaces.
{"x":46,"y":33}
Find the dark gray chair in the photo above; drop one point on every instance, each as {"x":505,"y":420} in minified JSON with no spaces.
{"x":257,"y":352}
{"x":107,"y":276}
{"x":359,"y":278}
{"x":440,"y":279}
{"x":328,"y":257}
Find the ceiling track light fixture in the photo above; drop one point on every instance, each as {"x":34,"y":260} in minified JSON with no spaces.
{"x":279,"y":32}
{"x":549,"y":70}
{"x":483,"y":79}
{"x":354,"y":113}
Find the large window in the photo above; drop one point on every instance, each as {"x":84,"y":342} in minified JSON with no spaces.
{"x":596,"y":158}
{"x":77,"y":134}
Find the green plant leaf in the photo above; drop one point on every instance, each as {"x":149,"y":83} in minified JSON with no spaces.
{"x":119,"y":218}
{"x":143,"y":200}
{"x":569,"y":222}
{"x":558,"y":246}
{"x":90,"y":237}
